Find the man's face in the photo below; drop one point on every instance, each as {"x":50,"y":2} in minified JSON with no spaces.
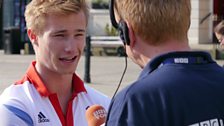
{"x":61,"y":44}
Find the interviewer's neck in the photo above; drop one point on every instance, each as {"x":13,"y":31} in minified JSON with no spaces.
{"x":166,"y":47}
{"x":150,"y":51}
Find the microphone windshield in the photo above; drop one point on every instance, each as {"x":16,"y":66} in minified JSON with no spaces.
{"x":96,"y":115}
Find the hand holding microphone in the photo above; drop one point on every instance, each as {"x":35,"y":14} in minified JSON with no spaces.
{"x":96,"y":115}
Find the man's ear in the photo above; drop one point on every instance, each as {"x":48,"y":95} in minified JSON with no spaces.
{"x":132,"y":36}
{"x":32,"y":36}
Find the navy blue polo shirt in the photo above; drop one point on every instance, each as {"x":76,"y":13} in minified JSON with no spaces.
{"x":174,"y":89}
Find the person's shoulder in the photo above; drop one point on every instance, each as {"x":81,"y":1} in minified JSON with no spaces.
{"x":130,"y":101}
{"x":16,"y":94}
{"x":95,"y":93}
{"x":96,"y":96}
{"x":12,"y":91}
{"x":132,"y":91}
{"x":15,"y":89}
{"x":142,"y":88}
{"x":14,"y":100}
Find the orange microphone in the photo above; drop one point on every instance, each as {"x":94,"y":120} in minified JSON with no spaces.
{"x":96,"y":115}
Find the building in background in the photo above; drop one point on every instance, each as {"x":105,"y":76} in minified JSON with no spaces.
{"x":13,"y":17}
{"x":204,"y":16}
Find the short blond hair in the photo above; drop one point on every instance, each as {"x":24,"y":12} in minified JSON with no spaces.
{"x":37,"y":11}
{"x":156,"y":20}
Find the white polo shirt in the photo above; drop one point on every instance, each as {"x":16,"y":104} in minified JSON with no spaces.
{"x":29,"y":103}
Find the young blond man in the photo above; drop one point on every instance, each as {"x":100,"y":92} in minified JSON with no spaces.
{"x":51,"y":93}
{"x":177,"y":86}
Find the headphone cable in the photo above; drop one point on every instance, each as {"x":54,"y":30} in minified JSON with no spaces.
{"x":122,"y":76}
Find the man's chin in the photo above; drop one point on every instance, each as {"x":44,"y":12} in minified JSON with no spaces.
{"x":69,"y":72}
{"x":66,"y":72}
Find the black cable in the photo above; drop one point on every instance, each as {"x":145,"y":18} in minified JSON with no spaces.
{"x":122,"y":76}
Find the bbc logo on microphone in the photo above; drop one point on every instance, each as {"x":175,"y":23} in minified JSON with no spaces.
{"x":101,"y":113}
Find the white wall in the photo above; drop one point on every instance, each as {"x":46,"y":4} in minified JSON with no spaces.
{"x":98,"y":20}
{"x":201,"y":32}
{"x":194,"y":28}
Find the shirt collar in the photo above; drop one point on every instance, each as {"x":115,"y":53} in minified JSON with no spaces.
{"x":36,"y":80}
{"x":157,"y":61}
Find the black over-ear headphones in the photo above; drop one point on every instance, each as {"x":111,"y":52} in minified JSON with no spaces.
{"x":123,"y":32}
{"x":121,"y":26}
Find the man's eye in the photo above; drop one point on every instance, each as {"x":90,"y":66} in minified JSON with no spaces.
{"x":76,"y":35}
{"x":59,"y":35}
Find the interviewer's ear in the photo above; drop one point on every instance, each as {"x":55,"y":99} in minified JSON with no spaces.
{"x":32,"y":36}
{"x":131,"y":35}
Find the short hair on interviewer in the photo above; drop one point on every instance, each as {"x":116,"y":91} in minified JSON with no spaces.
{"x":37,"y":11}
{"x":156,"y":20}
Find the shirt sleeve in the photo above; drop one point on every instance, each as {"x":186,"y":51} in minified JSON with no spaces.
{"x":11,"y":116}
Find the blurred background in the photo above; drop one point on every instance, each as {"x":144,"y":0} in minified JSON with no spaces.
{"x":205,"y":15}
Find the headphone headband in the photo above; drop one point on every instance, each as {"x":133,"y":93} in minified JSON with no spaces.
{"x":121,"y":26}
{"x":112,"y":16}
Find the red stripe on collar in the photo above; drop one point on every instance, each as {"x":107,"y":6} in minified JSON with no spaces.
{"x":33,"y":77}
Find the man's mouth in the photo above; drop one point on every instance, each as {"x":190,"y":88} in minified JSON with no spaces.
{"x":66,"y":59}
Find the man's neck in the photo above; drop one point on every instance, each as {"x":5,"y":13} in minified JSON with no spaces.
{"x":55,"y":82}
{"x":171,"y":46}
{"x":150,"y":51}
{"x":59,"y":84}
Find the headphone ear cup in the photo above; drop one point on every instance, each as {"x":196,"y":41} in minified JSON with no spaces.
{"x":123,"y":32}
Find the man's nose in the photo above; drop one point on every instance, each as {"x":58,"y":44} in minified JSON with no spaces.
{"x":70,"y":45}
